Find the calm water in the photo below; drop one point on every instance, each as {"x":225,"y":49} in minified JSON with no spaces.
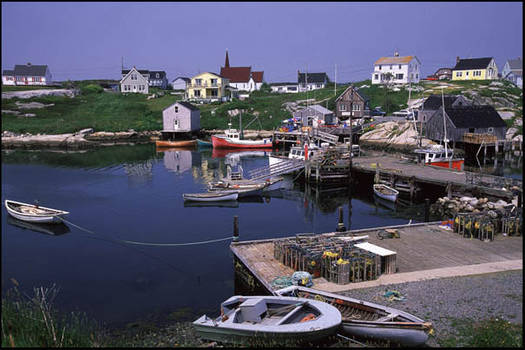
{"x":135,"y":193}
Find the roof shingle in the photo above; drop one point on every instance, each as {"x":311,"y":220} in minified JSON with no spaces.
{"x":473,"y":63}
{"x":30,"y":70}
{"x":394,"y":60}
{"x":475,"y":117}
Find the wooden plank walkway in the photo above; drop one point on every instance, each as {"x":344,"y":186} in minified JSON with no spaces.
{"x":420,"y":248}
{"x":424,"y":173}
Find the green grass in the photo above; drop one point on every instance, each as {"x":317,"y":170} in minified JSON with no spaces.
{"x":32,"y":321}
{"x":494,"y":333}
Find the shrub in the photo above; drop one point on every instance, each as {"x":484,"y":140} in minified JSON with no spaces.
{"x":91,"y":89}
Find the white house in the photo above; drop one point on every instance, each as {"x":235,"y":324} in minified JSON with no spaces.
{"x":27,"y":74}
{"x":242,"y":78}
{"x":8,"y":77}
{"x":180,"y":83}
{"x":397,"y":70}
{"x":135,"y":81}
{"x":513,"y":71}
{"x":284,"y":88}
{"x":311,"y":81}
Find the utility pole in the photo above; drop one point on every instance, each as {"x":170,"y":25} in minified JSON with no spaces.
{"x":335,"y":80}
{"x":122,"y":63}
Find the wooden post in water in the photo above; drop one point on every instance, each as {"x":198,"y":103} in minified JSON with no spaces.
{"x":449,"y":190}
{"x":427,"y":210}
{"x":341,"y":224}
{"x":235,"y":228}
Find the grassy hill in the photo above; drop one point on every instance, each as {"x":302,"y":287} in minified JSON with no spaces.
{"x":109,"y":111}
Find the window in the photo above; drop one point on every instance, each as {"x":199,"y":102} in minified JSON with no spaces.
{"x":471,"y":130}
{"x":458,"y":74}
{"x":342,"y":107}
{"x":491,"y":130}
{"x":417,"y":76}
{"x":176,"y":109}
{"x":175,"y":124}
{"x":376,"y":76}
{"x":198,"y":82}
{"x":399,"y":66}
{"x":379,"y":67}
{"x":399,"y":76}
{"x":356,"y":107}
{"x":390,"y":67}
{"x":133,"y":77}
{"x":213,"y":82}
{"x":157,"y":76}
{"x":197,"y":93}
{"x":466,"y":74}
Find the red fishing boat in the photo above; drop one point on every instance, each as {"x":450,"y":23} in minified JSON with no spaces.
{"x":231,"y":139}
{"x":439,"y":156}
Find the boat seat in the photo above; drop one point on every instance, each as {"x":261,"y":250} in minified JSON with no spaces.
{"x":388,"y":317}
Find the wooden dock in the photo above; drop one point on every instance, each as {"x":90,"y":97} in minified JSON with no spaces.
{"x":423,"y":251}
{"x":407,"y":171}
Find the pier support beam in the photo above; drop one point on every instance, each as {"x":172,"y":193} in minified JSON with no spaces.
{"x":235,"y":228}
{"x":427,"y":210}
{"x":341,"y":224}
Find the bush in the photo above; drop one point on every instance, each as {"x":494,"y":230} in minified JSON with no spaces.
{"x":91,"y":89}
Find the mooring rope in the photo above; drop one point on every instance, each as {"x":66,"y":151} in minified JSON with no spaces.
{"x":151,"y":244}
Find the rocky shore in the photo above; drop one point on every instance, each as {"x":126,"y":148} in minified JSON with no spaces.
{"x":87,"y":138}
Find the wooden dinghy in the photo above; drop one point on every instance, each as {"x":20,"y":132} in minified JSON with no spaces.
{"x":369,"y":320}
{"x":180,"y":143}
{"x":204,"y":144}
{"x":211,"y":196}
{"x":385,"y":192}
{"x":33,"y":213}
{"x":242,"y":187}
{"x":273,"y":319}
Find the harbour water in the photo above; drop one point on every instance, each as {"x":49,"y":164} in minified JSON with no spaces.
{"x":133,"y":193}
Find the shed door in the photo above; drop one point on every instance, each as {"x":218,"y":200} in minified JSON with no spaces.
{"x":176,"y":124}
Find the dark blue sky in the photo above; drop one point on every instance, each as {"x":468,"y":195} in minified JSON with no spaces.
{"x":87,"y":40}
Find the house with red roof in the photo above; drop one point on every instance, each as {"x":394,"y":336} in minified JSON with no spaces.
{"x":242,"y":78}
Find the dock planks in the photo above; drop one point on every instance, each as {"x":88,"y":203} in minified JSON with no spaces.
{"x":420,"y":248}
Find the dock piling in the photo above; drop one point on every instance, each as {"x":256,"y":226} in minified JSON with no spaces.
{"x":340,"y":224}
{"x":235,"y":228}
{"x":427,"y":210}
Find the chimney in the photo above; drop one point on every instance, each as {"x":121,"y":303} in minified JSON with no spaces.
{"x":457,"y":59}
{"x":396,"y":54}
{"x":28,"y":63}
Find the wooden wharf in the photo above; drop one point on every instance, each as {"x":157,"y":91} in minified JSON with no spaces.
{"x":403,"y":171}
{"x":423,"y":251}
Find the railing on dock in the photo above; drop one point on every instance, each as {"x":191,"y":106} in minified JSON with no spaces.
{"x":285,"y":166}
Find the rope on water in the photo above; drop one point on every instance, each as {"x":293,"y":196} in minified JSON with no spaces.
{"x":152,"y":244}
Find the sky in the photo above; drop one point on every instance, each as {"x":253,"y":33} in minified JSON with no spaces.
{"x":89,"y":40}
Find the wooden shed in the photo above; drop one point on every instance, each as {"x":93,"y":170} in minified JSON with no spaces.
{"x":178,"y":118}
{"x":388,"y":257}
{"x":465,"y":119}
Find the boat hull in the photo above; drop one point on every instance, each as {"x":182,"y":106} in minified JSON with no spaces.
{"x":203,"y":144}
{"x":53,"y":218}
{"x":392,"y":333}
{"x":182,"y":143}
{"x":224,"y":142}
{"x":210,"y":197}
{"x":457,"y":164}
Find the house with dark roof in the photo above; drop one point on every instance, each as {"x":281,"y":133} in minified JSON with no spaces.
{"x":465,"y":119}
{"x":513,"y":71}
{"x":180,"y":83}
{"x":285,"y":88}
{"x":475,"y":69}
{"x":311,"y":81}
{"x":135,"y":81}
{"x":180,"y":117}
{"x":158,"y":79}
{"x":443,"y":74}
{"x":27,"y":74}
{"x":242,"y":78}
{"x":433,"y":102}
{"x":352,"y":104}
{"x":315,"y":115}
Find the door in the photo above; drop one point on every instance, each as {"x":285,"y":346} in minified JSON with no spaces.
{"x":176,"y":124}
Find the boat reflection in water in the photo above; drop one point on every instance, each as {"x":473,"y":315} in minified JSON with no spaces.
{"x":221,"y":204}
{"x":56,"y":229}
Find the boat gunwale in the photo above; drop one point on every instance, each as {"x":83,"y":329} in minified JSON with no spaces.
{"x":53,"y":212}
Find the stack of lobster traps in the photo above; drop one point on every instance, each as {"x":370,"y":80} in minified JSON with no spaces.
{"x":338,"y":261}
{"x":484,"y":227}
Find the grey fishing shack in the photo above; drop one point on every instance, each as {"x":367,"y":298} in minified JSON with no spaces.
{"x":465,"y":119}
{"x":180,"y":118}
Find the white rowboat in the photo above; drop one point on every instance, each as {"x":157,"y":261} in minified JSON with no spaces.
{"x":211,"y":196}
{"x":33,"y":213}
{"x":274,"y":319}
{"x":385,"y":192}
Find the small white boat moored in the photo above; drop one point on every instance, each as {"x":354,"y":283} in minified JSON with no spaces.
{"x":274,"y":319}
{"x":211,"y":196}
{"x":33,"y":213}
{"x":385,"y":192}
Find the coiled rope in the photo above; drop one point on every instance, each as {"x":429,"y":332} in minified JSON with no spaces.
{"x":152,"y":244}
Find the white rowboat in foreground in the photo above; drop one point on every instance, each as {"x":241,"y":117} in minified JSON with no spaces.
{"x":33,"y":213}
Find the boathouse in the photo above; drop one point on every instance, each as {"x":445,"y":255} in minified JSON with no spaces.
{"x":465,"y":119}
{"x":433,"y":102}
{"x":178,"y":118}
{"x":315,"y":115}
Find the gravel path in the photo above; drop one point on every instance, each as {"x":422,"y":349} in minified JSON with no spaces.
{"x":443,"y":300}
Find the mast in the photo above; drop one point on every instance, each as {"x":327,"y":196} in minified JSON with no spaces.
{"x":444,"y":123}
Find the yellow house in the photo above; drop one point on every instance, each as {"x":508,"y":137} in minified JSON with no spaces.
{"x":208,"y":87}
{"x":475,"y":69}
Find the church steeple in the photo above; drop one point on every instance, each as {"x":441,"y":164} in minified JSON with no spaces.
{"x":227,"y":60}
